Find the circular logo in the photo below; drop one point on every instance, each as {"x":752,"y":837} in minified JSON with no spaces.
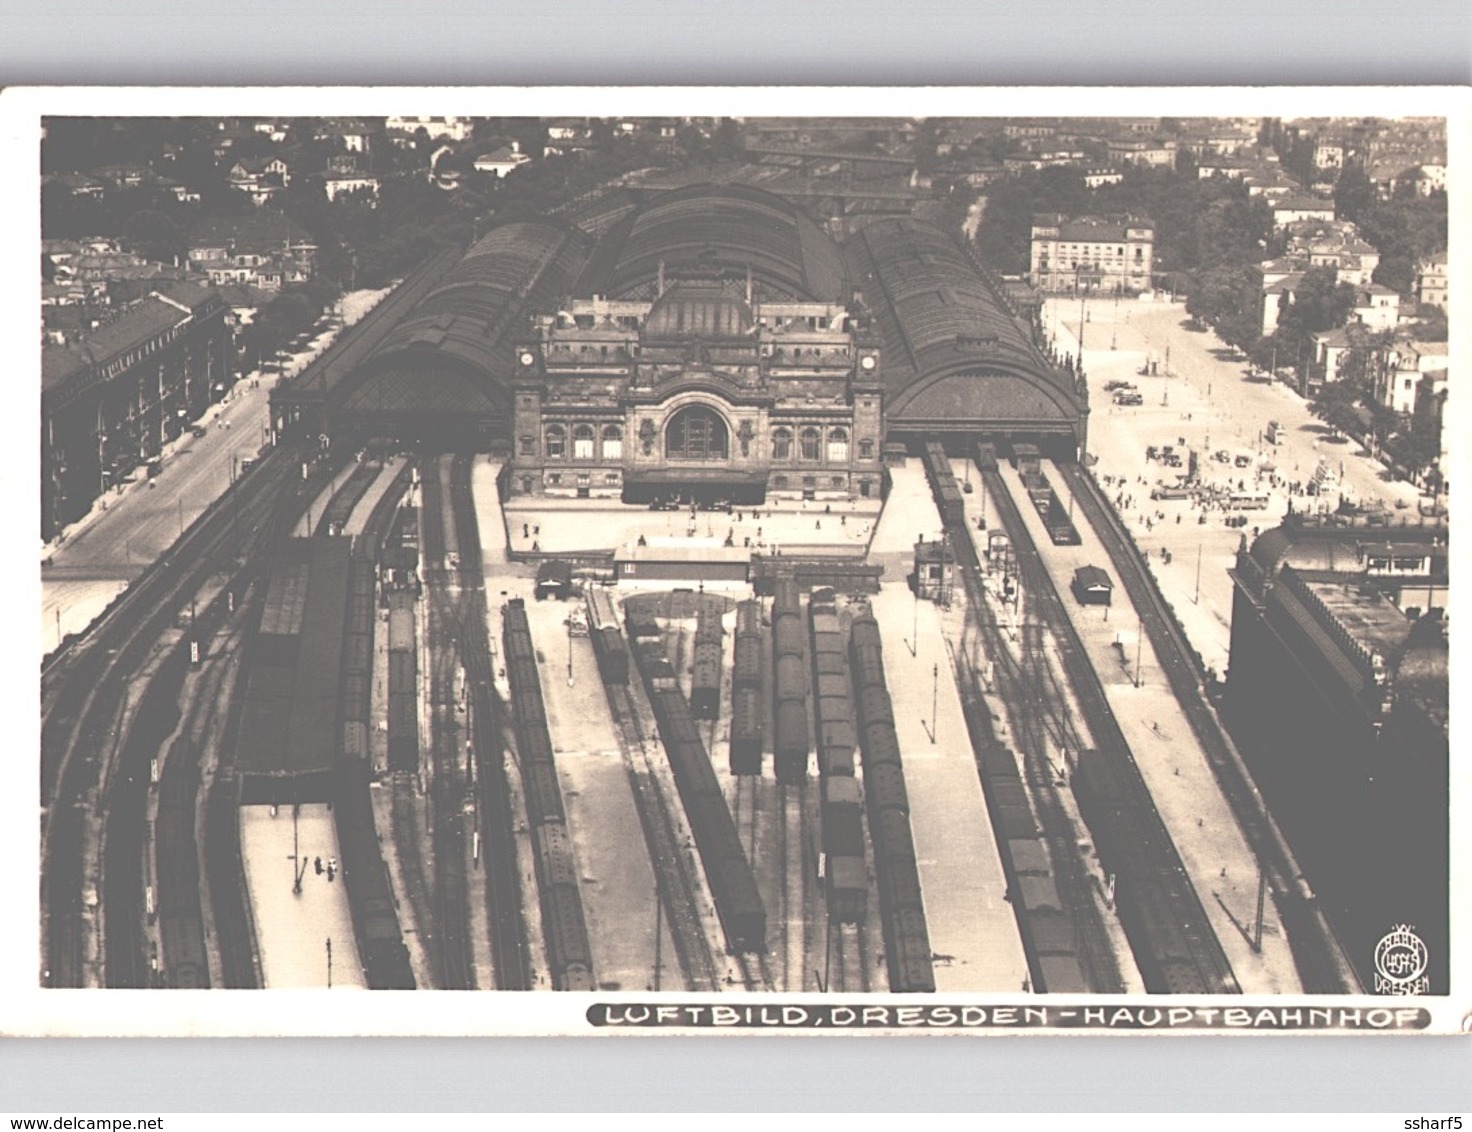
{"x":1400,"y":959}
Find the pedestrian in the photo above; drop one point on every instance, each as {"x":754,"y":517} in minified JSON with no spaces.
{"x":318,"y":864}
{"x":843,"y":520}
{"x":536,"y":547}
{"x":1178,"y":518}
{"x":526,"y":531}
{"x":537,"y":531}
{"x":818,"y":526}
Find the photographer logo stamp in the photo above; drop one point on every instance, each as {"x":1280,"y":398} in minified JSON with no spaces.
{"x":1400,"y":962}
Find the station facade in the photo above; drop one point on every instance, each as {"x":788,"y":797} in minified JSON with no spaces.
{"x":711,"y":342}
{"x":701,"y":392}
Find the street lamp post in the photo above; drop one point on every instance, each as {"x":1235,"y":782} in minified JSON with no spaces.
{"x":934,"y":700}
{"x":569,"y":653}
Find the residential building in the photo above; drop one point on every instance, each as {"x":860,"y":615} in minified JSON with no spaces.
{"x":260,"y":178}
{"x":1328,"y":154}
{"x":1431,"y":281}
{"x":438,"y":128}
{"x":264,"y":250}
{"x":336,"y":184}
{"x":1336,"y":244}
{"x":1292,"y":209}
{"x":1398,"y":380}
{"x":1377,"y":307}
{"x":1134,"y":151}
{"x":1114,"y":254}
{"x":111,"y":401}
{"x":501,"y":161}
{"x":1278,"y":281}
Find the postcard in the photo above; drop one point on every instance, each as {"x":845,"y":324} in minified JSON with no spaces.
{"x":734,"y":561}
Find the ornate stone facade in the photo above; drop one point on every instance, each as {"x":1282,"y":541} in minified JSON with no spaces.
{"x":701,"y":393}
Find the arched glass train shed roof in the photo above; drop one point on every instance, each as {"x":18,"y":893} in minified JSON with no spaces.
{"x":717,"y":229}
{"x":453,"y":351}
{"x":955,"y":356}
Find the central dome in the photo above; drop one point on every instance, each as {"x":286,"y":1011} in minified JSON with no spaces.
{"x":707,"y":311}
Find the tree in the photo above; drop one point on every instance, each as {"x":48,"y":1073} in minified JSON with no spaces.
{"x":1353,"y":193}
{"x":152,"y":235}
{"x":1335,"y":406}
{"x":1319,"y":303}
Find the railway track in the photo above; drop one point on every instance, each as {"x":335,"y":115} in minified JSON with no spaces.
{"x":454,"y":961}
{"x":1188,"y":915}
{"x":674,"y":876}
{"x":85,"y":688}
{"x":1322,"y":966}
{"x":1020,"y":685}
{"x":510,"y":950}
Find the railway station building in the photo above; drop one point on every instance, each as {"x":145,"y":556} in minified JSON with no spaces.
{"x":710,"y":341}
{"x":1337,"y":695}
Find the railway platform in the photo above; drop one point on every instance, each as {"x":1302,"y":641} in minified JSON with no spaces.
{"x":371,"y":498}
{"x":1215,"y":853}
{"x":564,"y":526}
{"x":294,"y":929}
{"x":973,"y":931}
{"x":617,"y":887}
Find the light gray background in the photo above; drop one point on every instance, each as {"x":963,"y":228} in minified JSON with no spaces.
{"x":874,"y":42}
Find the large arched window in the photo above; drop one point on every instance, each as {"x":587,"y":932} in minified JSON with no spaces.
{"x":613,"y":442}
{"x":781,"y":444}
{"x":697,"y":433}
{"x":810,"y":439}
{"x":556,"y":442}
{"x":838,"y":446}
{"x":582,"y":442}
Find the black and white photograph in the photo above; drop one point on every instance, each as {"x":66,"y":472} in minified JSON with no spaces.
{"x":939,"y":561}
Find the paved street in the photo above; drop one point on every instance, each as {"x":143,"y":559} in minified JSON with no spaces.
{"x":99,"y":556}
{"x":1206,"y":402}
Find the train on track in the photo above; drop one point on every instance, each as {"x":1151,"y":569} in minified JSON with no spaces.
{"x":380,"y":936}
{"x":901,"y":906}
{"x":705,"y":680}
{"x":748,"y":706}
{"x":728,"y":871}
{"x":845,"y":873}
{"x":789,"y":685}
{"x":1057,"y":519}
{"x":564,"y":925}
{"x":178,"y":908}
{"x":1174,"y":946}
{"x":1049,"y":938}
{"x":335,"y":515}
{"x":403,"y":684}
{"x":607,"y":634}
